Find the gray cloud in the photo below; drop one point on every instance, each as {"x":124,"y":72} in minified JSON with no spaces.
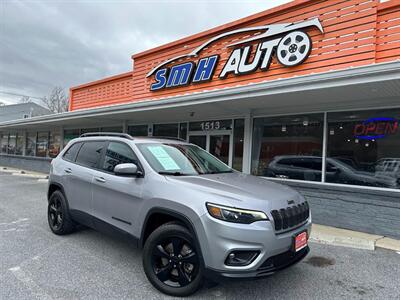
{"x":66,"y":43}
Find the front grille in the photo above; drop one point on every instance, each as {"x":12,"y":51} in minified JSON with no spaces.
{"x":290,"y":217}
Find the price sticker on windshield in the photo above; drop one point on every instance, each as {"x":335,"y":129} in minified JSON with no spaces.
{"x":164,"y":158}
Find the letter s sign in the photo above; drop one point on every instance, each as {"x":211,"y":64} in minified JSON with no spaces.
{"x":161,"y":80}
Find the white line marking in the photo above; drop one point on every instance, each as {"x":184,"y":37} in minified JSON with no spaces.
{"x":29,"y":283}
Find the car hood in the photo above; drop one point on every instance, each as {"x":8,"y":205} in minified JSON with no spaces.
{"x":240,"y":190}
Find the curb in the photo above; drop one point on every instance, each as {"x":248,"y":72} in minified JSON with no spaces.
{"x":18,"y":172}
{"x":354,"y":239}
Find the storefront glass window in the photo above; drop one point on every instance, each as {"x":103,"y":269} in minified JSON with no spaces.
{"x":19,"y":143}
{"x":166,"y":130}
{"x":42,"y":143}
{"x":183,"y":131}
{"x":364,"y":148}
{"x":30,"y":149}
{"x":288,"y":147}
{"x":70,"y":134}
{"x":117,"y":129}
{"x":238,"y":136}
{"x":138,"y":130}
{"x":12,"y":143}
{"x":87,"y":130}
{"x":3,"y":142}
{"x":54,"y":144}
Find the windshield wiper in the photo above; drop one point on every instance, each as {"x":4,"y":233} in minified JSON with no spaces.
{"x":172,"y":173}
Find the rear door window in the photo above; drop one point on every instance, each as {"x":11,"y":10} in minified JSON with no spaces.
{"x":70,"y":154}
{"x":90,"y":153}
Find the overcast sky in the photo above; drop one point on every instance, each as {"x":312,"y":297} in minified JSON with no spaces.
{"x":65,"y":43}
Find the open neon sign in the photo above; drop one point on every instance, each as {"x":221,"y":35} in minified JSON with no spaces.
{"x":376,"y":128}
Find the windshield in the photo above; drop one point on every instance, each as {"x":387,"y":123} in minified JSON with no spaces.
{"x":181,"y":159}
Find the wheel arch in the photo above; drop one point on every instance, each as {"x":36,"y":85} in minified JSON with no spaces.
{"x":171,"y":215}
{"x":54,"y":186}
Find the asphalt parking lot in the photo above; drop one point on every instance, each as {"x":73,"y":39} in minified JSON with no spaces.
{"x":34,"y":263}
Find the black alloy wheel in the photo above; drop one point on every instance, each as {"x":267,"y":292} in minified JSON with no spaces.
{"x":171,"y":261}
{"x":175,"y":262}
{"x":58,"y":216}
{"x":55,"y":214}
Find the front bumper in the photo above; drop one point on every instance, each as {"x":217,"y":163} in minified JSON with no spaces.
{"x":218,"y":238}
{"x":269,"y":267}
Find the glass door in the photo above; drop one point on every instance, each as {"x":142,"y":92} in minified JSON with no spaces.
{"x":219,"y":146}
{"x":217,"y":143}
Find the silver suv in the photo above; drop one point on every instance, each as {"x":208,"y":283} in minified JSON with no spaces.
{"x":193,"y":215}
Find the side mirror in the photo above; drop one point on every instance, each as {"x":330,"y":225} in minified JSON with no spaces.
{"x":126,"y":169}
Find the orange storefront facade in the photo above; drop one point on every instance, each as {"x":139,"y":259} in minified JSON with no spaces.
{"x":306,"y":94}
{"x":355,"y":33}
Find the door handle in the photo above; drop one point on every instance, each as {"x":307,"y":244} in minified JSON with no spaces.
{"x":100,"y":179}
{"x":68,"y":170}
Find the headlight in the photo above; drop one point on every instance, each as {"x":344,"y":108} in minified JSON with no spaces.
{"x":235,"y":215}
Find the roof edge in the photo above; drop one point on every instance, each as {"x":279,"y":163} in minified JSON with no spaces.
{"x":113,"y":77}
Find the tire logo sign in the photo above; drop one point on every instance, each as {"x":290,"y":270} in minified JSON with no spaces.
{"x":287,"y":41}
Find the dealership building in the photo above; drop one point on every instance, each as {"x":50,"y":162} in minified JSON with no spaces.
{"x":306,"y":94}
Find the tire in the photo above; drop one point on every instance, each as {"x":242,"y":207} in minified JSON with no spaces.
{"x":178,"y":261}
{"x":58,"y":215}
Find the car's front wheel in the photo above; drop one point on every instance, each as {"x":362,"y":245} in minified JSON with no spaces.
{"x":171,"y":261}
{"x":58,"y":216}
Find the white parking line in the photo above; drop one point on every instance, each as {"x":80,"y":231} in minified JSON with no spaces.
{"x":29,"y":283}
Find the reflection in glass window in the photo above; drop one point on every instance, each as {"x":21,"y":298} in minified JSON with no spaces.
{"x":42,"y":143}
{"x":12,"y":143}
{"x":30,"y":149}
{"x":166,"y":130}
{"x":118,"y":153}
{"x":288,"y":147}
{"x":70,"y":134}
{"x":363,"y":148}
{"x":19,"y":143}
{"x":138,"y":130}
{"x":54,"y":144}
{"x":238,"y":136}
{"x":3,"y":142}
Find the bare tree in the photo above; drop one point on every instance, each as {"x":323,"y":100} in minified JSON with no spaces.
{"x":25,"y":99}
{"x":57,"y":101}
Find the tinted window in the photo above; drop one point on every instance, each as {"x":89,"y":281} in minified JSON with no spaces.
{"x":364,"y":146}
{"x":298,"y":139}
{"x":90,"y":153}
{"x":118,"y":153}
{"x":70,"y":154}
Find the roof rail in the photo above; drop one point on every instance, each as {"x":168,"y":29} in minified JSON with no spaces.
{"x":164,"y":138}
{"x":113,"y":134}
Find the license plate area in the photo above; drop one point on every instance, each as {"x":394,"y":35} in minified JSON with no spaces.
{"x":300,"y":241}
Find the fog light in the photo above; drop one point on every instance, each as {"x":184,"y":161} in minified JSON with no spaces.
{"x":241,"y":258}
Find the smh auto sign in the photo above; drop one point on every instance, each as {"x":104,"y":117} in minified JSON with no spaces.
{"x":288,"y":42}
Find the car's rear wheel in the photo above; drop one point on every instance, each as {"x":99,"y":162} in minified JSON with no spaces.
{"x":171,"y":261}
{"x":58,"y":215}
